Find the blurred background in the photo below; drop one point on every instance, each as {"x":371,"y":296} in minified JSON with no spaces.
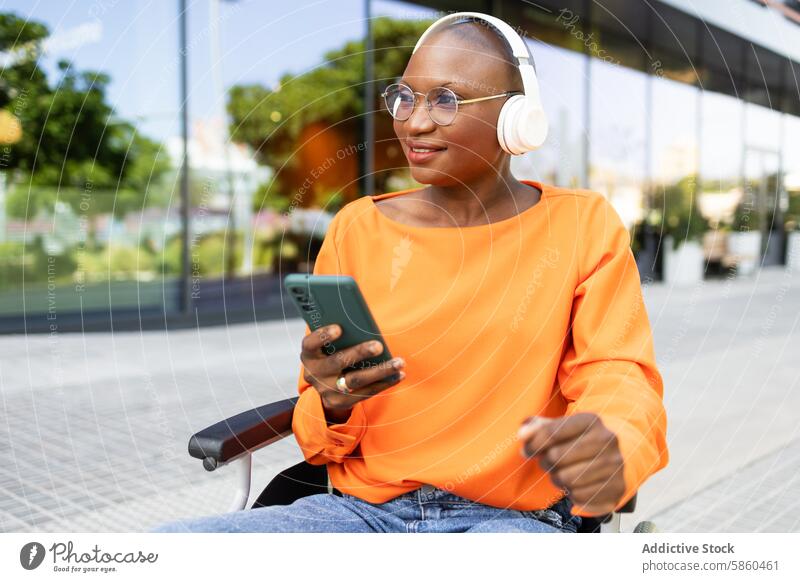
{"x":164,"y":163}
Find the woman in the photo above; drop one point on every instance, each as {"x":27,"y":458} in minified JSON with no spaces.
{"x":527,"y":394}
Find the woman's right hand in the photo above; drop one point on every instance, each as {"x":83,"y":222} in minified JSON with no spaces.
{"x":322,"y":370}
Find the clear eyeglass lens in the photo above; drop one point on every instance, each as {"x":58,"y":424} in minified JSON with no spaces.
{"x":399,"y":102}
{"x":444,"y":105}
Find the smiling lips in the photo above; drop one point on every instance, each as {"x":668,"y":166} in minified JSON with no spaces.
{"x":422,"y":151}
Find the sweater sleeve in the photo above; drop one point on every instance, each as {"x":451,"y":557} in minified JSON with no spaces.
{"x":608,"y":367}
{"x":319,"y":441}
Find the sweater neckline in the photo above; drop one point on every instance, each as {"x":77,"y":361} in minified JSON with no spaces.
{"x":530,"y":211}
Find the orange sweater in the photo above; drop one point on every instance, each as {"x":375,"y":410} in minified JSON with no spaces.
{"x":538,"y":314}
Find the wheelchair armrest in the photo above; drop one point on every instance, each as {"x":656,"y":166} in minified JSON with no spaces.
{"x":228,"y":439}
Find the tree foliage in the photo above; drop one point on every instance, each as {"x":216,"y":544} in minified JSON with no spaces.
{"x":676,"y":207}
{"x":270,"y":120}
{"x":70,"y":138}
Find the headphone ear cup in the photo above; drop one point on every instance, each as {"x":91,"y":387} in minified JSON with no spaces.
{"x":506,"y":121}
{"x":501,"y":125}
{"x":520,"y":127}
{"x":533,"y":130}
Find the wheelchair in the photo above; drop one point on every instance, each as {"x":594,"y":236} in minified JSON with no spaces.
{"x":234,"y":440}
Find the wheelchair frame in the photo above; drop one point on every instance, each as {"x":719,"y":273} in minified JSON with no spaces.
{"x":234,"y":440}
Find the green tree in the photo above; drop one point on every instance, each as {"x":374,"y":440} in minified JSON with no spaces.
{"x":675,"y":208}
{"x":71,"y":149}
{"x":792,"y":219}
{"x":270,"y":120}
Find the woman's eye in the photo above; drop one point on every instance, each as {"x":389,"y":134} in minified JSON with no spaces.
{"x":444,"y":99}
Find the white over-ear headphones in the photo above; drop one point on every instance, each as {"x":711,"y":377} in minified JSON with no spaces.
{"x":522,"y":125}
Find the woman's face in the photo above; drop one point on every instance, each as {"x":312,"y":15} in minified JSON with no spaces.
{"x":470,"y":143}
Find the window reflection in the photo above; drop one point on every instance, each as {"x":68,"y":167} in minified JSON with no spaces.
{"x":560,"y":160}
{"x":791,"y":162}
{"x":617,"y":138}
{"x":762,"y":127}
{"x":720,"y":156}
{"x":87,"y":185}
{"x":763,"y":181}
{"x":674,"y":161}
{"x":674,"y":152}
{"x":278,"y":120}
{"x":90,"y":194}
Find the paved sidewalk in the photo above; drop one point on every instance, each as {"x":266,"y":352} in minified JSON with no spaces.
{"x":729,"y":354}
{"x":94,"y":427}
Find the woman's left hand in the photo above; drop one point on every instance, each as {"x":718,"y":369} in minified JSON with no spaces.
{"x":581,"y":455}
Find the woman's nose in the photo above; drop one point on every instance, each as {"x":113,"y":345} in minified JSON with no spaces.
{"x":420,"y":121}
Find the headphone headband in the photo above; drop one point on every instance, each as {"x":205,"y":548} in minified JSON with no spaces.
{"x":518,"y":47}
{"x":517,"y":44}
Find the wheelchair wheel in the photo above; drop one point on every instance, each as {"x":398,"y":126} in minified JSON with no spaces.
{"x":645,"y":527}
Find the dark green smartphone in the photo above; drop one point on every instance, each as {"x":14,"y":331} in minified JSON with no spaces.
{"x":327,"y":299}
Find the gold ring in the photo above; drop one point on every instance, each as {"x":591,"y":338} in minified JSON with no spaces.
{"x":341,"y":384}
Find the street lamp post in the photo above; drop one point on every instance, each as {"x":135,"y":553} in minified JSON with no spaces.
{"x":367,"y":155}
{"x":186,"y":275}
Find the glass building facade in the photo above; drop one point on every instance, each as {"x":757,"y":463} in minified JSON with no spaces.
{"x":166,"y":163}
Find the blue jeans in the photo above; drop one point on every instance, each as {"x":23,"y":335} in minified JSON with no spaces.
{"x":424,"y":510}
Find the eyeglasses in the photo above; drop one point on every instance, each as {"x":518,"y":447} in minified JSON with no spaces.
{"x":441,"y":103}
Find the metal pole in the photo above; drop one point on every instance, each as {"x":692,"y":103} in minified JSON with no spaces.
{"x":244,"y":471}
{"x":587,"y":99}
{"x":781,"y":194}
{"x":646,"y":258}
{"x":186,"y":274}
{"x":219,"y":93}
{"x":368,"y":156}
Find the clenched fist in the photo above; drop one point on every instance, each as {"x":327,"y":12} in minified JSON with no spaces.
{"x":581,"y":455}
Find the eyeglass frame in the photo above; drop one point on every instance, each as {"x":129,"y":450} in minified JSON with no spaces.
{"x":428,"y":105}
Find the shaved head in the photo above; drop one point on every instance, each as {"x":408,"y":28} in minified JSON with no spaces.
{"x":485,"y":38}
